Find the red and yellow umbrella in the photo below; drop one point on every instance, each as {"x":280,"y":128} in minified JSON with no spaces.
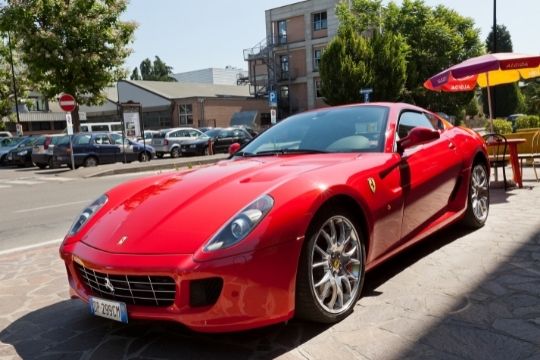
{"x":485,"y":71}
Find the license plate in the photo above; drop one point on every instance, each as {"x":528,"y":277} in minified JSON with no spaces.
{"x":183,"y":150}
{"x":113,"y":310}
{"x":193,"y":146}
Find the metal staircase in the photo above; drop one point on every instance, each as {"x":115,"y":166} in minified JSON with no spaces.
{"x":261,"y":81}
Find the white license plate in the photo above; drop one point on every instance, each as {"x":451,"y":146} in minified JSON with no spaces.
{"x":193,"y":146}
{"x":113,"y":310}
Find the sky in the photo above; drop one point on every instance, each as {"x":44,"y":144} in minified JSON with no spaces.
{"x":197,"y":34}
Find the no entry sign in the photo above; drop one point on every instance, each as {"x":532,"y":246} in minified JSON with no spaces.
{"x":67,"y":102}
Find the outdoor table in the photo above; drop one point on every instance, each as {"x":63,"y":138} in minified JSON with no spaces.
{"x":512,"y":147}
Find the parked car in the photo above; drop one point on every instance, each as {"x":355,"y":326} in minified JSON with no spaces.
{"x":9,"y":144}
{"x":250,"y":130}
{"x":92,"y":149}
{"x":102,"y":127}
{"x":21,"y":155}
{"x":147,"y":137}
{"x":221,"y":140}
{"x":168,"y":141}
{"x":42,"y":152}
{"x":287,"y":227}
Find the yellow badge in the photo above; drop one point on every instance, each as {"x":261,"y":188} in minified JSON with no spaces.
{"x":372,"y":185}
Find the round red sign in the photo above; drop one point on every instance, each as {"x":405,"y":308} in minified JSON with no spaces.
{"x":67,"y":102}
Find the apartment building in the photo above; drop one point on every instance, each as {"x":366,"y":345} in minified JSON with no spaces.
{"x":287,"y":61}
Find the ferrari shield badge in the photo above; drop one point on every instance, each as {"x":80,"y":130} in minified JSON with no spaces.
{"x":372,"y":185}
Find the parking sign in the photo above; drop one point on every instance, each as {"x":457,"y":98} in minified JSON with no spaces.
{"x":272,"y":98}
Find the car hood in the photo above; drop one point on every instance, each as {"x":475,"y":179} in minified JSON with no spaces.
{"x":178,"y":213}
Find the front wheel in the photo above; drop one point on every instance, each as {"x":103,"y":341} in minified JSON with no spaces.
{"x":478,"y":198}
{"x":144,"y":157}
{"x":90,"y":161}
{"x":331,"y":270}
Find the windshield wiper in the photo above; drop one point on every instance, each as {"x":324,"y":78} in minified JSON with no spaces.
{"x":288,"y":151}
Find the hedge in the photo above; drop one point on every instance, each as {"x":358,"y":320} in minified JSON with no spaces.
{"x":528,"y":122}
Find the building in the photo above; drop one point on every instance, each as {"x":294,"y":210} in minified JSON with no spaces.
{"x":174,"y":104}
{"x":287,"y":61}
{"x":164,"y":105}
{"x":215,"y":76}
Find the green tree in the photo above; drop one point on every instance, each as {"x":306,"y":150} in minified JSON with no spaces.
{"x":436,"y":38}
{"x":506,"y":99}
{"x":352,"y":62}
{"x":76,"y":47}
{"x":156,"y":71}
{"x":532,"y":97}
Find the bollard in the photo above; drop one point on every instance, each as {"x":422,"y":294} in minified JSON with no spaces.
{"x":210,"y":147}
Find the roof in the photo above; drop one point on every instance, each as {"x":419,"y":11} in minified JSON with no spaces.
{"x":180,"y":90}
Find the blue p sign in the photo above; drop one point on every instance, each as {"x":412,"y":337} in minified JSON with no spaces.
{"x":272,"y":99}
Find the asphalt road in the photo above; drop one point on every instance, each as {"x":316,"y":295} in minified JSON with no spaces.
{"x":39,"y":206}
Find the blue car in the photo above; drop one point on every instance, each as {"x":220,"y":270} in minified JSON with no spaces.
{"x":92,"y":149}
{"x":8,"y":144}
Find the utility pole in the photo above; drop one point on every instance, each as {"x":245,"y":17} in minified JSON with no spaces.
{"x":494,"y":92}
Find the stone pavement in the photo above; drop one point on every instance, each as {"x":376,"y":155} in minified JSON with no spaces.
{"x":457,"y":295}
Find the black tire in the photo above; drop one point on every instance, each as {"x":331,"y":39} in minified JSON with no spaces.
{"x":52,"y":164}
{"x":477,"y":198}
{"x":144,"y":157}
{"x":308,"y":305}
{"x":41,"y":165}
{"x":90,"y":161}
{"x":175,"y":152}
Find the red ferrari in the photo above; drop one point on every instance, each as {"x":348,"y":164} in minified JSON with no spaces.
{"x":288,"y":226}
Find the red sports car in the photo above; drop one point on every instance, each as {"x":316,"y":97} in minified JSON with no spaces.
{"x":286,"y":227}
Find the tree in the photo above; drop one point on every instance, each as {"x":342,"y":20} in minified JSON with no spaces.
{"x":532,"y":97}
{"x":156,"y":71}
{"x":436,"y":38}
{"x":352,"y":62}
{"x":507,"y":99}
{"x":76,"y":47}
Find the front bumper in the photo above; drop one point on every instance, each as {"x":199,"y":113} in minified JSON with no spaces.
{"x":258,"y":288}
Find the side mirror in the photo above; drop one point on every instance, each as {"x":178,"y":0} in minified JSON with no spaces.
{"x":417,"y":136}
{"x":234,"y":148}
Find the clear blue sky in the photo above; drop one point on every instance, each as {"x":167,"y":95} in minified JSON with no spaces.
{"x":197,"y":34}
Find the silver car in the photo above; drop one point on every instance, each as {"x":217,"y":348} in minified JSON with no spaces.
{"x":168,"y":141}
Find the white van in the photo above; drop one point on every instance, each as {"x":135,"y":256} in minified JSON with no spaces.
{"x":101,"y":127}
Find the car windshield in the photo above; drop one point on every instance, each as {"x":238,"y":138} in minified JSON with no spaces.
{"x":347,"y":129}
{"x":213,"y":132}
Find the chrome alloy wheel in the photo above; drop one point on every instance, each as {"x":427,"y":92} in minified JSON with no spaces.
{"x":336,"y":265}
{"x":480,"y":193}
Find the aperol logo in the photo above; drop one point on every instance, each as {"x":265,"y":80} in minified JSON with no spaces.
{"x":516,"y":65}
{"x":461,"y":87}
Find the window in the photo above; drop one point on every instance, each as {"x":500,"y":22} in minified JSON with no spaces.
{"x":317,"y":53}
{"x":81,"y":140}
{"x":102,"y":139}
{"x":284,"y":66}
{"x":37,"y":104}
{"x":318,"y":88}
{"x":409,"y":120}
{"x":284,"y":93}
{"x":282,"y":32}
{"x":60,"y":125}
{"x":319,"y":21}
{"x":186,"y":114}
{"x":100,"y":127}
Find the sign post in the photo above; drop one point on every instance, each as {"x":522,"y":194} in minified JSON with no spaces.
{"x":272,"y":102}
{"x":68,"y":104}
{"x":273,"y":116}
{"x":132,"y":124}
{"x":366,"y":93}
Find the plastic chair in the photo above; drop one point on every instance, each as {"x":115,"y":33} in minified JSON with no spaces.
{"x":497,"y":148}
{"x":533,"y":155}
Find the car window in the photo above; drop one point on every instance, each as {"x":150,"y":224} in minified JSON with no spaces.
{"x":194,"y":133}
{"x":102,"y":139}
{"x":84,"y":128}
{"x":117,"y":139}
{"x":226,"y":133}
{"x":100,"y":127}
{"x":408,"y":120}
{"x":353,"y":129}
{"x":39,"y":141}
{"x":82,"y":139}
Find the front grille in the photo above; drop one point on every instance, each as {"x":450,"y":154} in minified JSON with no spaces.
{"x":146,"y":290}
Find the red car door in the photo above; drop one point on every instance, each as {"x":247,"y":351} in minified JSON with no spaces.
{"x":429,"y":173}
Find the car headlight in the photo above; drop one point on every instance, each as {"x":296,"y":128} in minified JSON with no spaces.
{"x":22,"y":153}
{"x":241,"y":224}
{"x":87,"y":214}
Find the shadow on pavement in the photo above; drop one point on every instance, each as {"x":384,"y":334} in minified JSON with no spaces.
{"x":498,"y":319}
{"x":67,"y":330}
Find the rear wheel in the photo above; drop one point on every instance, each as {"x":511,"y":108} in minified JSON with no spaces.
{"x":478,"y":198}
{"x":52,"y":164}
{"x":41,"y":165}
{"x":331,"y":270}
{"x":144,"y":156}
{"x":175,"y":153}
{"x":90,"y":161}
